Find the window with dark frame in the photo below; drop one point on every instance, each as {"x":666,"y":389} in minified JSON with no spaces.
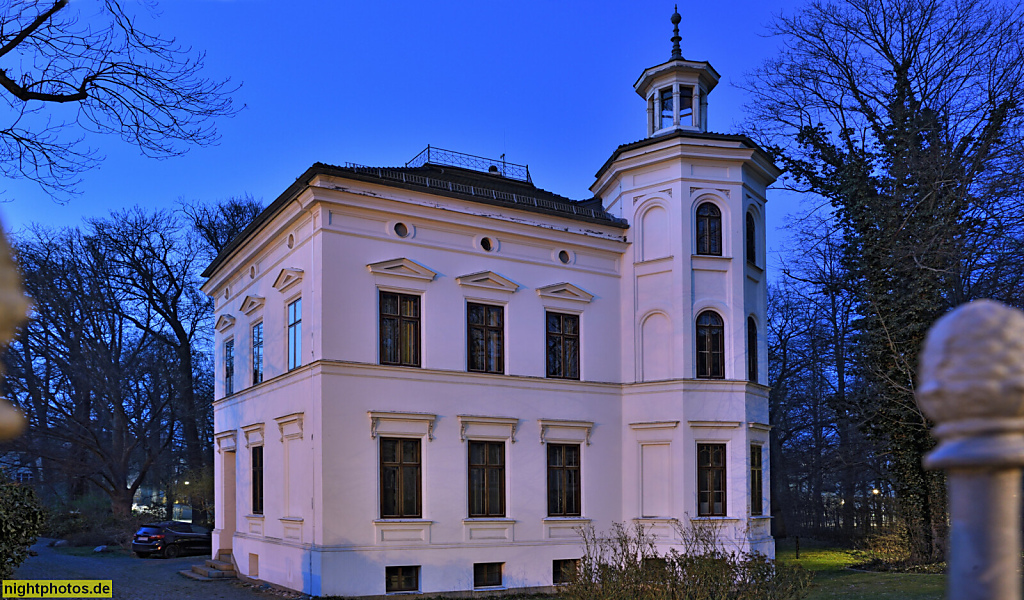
{"x":710,"y":346}
{"x":229,"y":367}
{"x":711,"y":480}
{"x":256,"y":452}
{"x":401,"y":579}
{"x":666,"y":108}
{"x":399,"y":329}
{"x":564,"y":480}
{"x":709,"y":229}
{"x":257,"y":353}
{"x":487,"y":574}
{"x":400,"y":478}
{"x":295,"y":334}
{"x":563,"y":570}
{"x":685,"y":105}
{"x":751,"y":240}
{"x":752,"y":366}
{"x":563,"y":345}
{"x":486,"y":479}
{"x":486,"y":338}
{"x":756,"y":483}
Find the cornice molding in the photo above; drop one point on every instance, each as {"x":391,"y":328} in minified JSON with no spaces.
{"x":488,"y":280}
{"x":565,"y":291}
{"x":402,"y":267}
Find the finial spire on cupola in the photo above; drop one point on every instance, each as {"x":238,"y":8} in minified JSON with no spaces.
{"x":676,"y":52}
{"x":676,"y":91}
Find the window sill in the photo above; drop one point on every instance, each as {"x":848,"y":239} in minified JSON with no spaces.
{"x":260,"y":517}
{"x":759,"y":517}
{"x":402,"y":530}
{"x":291,"y":519}
{"x":564,"y":528}
{"x":474,"y":520}
{"x":715,"y":518}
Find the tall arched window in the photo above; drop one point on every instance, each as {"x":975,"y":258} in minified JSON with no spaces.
{"x":751,"y":239}
{"x":709,"y":229}
{"x":751,"y":349}
{"x":710,"y":346}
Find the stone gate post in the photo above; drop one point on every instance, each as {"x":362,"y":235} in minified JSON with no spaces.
{"x":971,"y":383}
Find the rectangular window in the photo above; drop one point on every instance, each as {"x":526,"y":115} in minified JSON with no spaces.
{"x":711,"y":480}
{"x":666,"y":108}
{"x":295,"y":334}
{"x":257,"y":480}
{"x":229,"y":367}
{"x":563,"y":570}
{"x":486,"y":346}
{"x":486,"y":479}
{"x":401,"y":579}
{"x":563,"y":480}
{"x":400,"y":469}
{"x":257,"y":353}
{"x":686,"y":106}
{"x":399,"y":329}
{"x":487,"y":574}
{"x":756,"y":483}
{"x":563,"y":345}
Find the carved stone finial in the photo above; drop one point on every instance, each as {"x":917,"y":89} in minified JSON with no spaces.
{"x":676,"y":52}
{"x":972,"y":385}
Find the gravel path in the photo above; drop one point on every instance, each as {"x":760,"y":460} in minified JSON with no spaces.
{"x":136,"y":578}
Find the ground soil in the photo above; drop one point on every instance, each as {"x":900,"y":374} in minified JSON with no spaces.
{"x":137,"y":578}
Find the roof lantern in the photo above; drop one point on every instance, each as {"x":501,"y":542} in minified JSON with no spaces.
{"x":676,"y":91}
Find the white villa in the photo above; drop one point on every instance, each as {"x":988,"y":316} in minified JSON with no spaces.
{"x":429,"y":376}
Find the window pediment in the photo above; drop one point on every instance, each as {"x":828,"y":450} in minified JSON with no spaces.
{"x":561,"y":430}
{"x":565,"y":291}
{"x":290,"y":426}
{"x":488,"y":280}
{"x":251,"y":304}
{"x":227,"y":441}
{"x":472,"y":426}
{"x":287,"y":278}
{"x":224,"y":322}
{"x":253,"y":434}
{"x":401,"y":423}
{"x":402,"y":267}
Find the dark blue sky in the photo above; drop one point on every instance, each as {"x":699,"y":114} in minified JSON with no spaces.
{"x":549,"y":84}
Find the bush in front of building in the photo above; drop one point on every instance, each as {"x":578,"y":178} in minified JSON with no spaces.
{"x":21,"y":520}
{"x":625,"y":564}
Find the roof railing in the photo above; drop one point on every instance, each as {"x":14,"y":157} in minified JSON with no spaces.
{"x":439,"y":156}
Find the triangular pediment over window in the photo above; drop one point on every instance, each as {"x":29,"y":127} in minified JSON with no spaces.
{"x":287,"y":278}
{"x":565,"y":291}
{"x":224,"y":322}
{"x":251,"y":304}
{"x":403,"y":267}
{"x":489,"y":280}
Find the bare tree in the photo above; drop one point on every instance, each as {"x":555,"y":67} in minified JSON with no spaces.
{"x":219,"y":223}
{"x":120,"y":80}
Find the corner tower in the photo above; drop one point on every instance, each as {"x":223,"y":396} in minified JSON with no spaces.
{"x":695,"y":404}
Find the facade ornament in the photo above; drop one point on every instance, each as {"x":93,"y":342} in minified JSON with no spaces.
{"x":971,"y":383}
{"x":677,"y":54}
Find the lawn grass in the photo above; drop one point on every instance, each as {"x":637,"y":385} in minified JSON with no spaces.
{"x":833,"y":580}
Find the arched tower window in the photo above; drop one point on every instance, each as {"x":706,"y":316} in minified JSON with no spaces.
{"x":751,"y":349}
{"x":710,"y":346}
{"x":751,"y":239}
{"x":709,"y":229}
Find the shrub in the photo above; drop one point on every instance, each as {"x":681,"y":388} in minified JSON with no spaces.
{"x":21,"y":520}
{"x":625,"y":565}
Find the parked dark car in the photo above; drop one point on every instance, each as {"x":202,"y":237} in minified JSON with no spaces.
{"x":171,"y":539}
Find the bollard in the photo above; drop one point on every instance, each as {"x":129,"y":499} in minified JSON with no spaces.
{"x":971,"y":383}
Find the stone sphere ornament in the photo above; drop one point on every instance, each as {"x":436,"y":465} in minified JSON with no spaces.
{"x":971,"y":383}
